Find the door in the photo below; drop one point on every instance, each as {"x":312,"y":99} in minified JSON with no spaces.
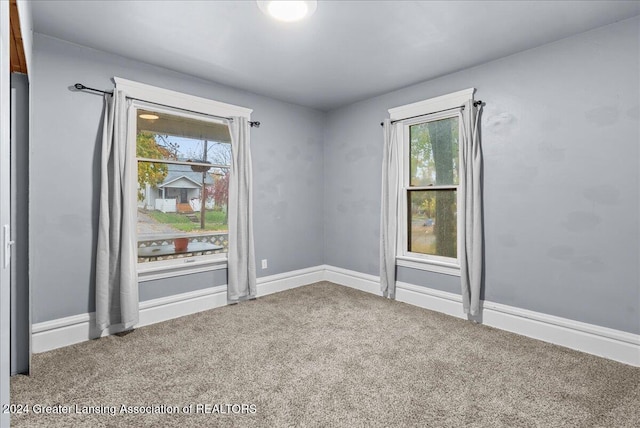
{"x":20,"y":321}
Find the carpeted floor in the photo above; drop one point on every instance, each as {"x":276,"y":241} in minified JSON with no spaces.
{"x":326,"y":355}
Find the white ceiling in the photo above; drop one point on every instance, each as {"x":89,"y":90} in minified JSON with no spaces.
{"x":347,"y":51}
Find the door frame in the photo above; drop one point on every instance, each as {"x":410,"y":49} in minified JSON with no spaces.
{"x":5,"y":220}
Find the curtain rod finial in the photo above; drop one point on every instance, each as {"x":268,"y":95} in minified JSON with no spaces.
{"x":79,"y":86}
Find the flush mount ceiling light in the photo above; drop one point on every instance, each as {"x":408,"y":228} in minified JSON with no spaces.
{"x":148,"y":116}
{"x":288,"y":11}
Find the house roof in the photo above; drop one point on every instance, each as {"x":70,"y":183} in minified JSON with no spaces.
{"x":176,"y":172}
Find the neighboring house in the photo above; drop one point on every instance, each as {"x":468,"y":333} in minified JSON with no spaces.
{"x":179,"y":192}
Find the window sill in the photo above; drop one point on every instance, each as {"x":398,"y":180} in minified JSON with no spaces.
{"x":151,"y":271}
{"x":428,"y":265}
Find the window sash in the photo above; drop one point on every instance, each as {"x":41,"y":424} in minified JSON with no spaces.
{"x":175,"y":162}
{"x":446,"y":187}
{"x":442,"y":116}
{"x":403,"y":208}
{"x":183,"y":261}
{"x":410,"y":218}
{"x":178,"y":263}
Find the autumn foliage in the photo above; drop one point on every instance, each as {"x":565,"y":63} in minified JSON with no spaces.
{"x":151,"y":173}
{"x":219,"y":191}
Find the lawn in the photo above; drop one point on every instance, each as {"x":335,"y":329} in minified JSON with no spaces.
{"x":214,"y":220}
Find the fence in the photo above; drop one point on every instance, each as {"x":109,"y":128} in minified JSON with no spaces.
{"x":216,"y":238}
{"x":166,"y":205}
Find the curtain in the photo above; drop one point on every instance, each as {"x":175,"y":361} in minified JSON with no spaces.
{"x":241,"y":256}
{"x":389,"y":212}
{"x":116,"y":274}
{"x":472,"y":246}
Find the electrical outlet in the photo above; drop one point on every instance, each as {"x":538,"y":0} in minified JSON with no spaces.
{"x":264,"y":263}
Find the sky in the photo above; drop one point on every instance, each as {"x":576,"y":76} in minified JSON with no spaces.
{"x":189,"y":148}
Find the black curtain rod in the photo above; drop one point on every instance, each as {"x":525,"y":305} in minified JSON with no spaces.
{"x":475,"y":104}
{"x":81,"y":87}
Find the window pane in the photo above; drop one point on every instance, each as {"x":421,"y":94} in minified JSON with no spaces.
{"x":176,"y":138}
{"x":434,"y":152}
{"x":174,"y":220}
{"x":433,"y":222}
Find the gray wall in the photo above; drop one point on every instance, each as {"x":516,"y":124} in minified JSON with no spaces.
{"x":560,"y":136}
{"x":167,"y":286}
{"x":19,"y":225}
{"x":287,"y":158}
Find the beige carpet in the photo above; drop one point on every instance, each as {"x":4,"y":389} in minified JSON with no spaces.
{"x":326,"y":355}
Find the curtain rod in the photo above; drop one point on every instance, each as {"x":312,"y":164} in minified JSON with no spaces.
{"x":475,"y":104}
{"x":81,"y":87}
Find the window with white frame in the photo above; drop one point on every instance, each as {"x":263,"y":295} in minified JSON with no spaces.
{"x":182,"y":156}
{"x":183,"y":184}
{"x":428,"y":226}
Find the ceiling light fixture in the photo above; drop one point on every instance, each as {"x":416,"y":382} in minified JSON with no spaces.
{"x":288,"y":11}
{"x":148,"y":116}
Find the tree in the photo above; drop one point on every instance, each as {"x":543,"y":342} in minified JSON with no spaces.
{"x":422,"y":162}
{"x":445,"y":155}
{"x":171,"y":146}
{"x":220,"y":154}
{"x":219,"y":191}
{"x":151,"y":173}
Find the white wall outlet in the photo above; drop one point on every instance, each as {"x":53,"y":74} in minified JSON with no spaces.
{"x":264,"y":263}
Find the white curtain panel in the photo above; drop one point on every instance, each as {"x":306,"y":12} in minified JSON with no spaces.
{"x":241,"y":257}
{"x":389,"y":211}
{"x":472,"y":248}
{"x":116,"y":274}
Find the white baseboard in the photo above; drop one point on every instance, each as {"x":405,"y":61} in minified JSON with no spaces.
{"x":605,"y":342}
{"x":601,"y":341}
{"x":353,"y":279}
{"x":67,"y":331}
{"x":428,"y":298}
{"x":288,"y":280}
{"x":79,"y":328}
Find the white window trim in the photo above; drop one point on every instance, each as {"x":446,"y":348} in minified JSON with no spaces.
{"x":177,"y":104}
{"x":432,"y":107}
{"x":175,"y":99}
{"x":443,"y":102}
{"x":151,"y":271}
{"x":452,"y":269}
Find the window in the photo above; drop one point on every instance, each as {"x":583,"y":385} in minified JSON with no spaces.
{"x":182,"y":149}
{"x":432,"y":187}
{"x":183,"y":184}
{"x":431,"y":170}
